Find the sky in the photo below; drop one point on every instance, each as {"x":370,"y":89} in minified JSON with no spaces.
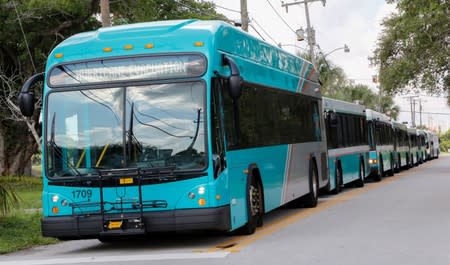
{"x":352,"y":22}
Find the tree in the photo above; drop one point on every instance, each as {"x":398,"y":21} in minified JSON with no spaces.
{"x":8,"y":198}
{"x":46,"y":23}
{"x":413,"y":49}
{"x":444,"y":141}
{"x":336,"y":85}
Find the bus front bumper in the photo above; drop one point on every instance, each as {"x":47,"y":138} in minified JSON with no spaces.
{"x":92,"y":226}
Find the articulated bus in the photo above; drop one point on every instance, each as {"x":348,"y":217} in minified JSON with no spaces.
{"x":175,"y":125}
{"x":413,"y":147}
{"x":381,"y":141}
{"x":401,"y":146}
{"x":347,"y":142}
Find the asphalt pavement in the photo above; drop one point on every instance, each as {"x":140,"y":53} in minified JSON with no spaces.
{"x":404,"y":219}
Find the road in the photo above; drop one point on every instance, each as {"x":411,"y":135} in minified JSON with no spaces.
{"x":404,"y":219}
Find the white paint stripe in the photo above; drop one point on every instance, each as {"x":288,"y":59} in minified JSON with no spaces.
{"x":149,"y":257}
{"x":286,"y":172}
{"x":348,"y":150}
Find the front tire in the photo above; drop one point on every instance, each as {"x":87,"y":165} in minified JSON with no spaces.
{"x":337,"y":180}
{"x":254,"y":208}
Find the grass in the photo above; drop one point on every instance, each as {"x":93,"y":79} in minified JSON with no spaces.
{"x":20,"y":231}
{"x":22,"y":227}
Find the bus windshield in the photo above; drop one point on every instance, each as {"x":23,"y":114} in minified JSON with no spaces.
{"x":150,"y":126}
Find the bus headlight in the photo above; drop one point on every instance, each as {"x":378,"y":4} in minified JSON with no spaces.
{"x":372,"y":161}
{"x":201,"y":190}
{"x":55,"y":198}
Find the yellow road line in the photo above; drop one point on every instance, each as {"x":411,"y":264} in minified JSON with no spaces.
{"x":239,"y":242}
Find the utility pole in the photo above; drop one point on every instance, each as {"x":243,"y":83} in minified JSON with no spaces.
{"x":309,"y":30}
{"x":420,"y":109}
{"x":104,"y":10}
{"x":413,"y":109}
{"x":244,"y":15}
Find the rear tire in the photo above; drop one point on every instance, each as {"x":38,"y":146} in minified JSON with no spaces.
{"x":310,"y":200}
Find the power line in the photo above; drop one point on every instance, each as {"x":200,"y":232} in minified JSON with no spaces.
{"x":282,"y":19}
{"x":24,"y":36}
{"x":264,"y":31}
{"x":432,"y":113}
{"x":257,"y":32}
{"x":229,"y":9}
{"x":192,"y":8}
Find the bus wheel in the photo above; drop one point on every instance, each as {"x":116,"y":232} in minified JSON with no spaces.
{"x":254,"y":208}
{"x":360,"y":182}
{"x":379,"y":176}
{"x":337,"y":180}
{"x":312,"y":197}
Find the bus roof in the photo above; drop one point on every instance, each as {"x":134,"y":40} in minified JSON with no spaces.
{"x":400,"y":126}
{"x":375,"y":115}
{"x":343,"y":106}
{"x":179,"y":36}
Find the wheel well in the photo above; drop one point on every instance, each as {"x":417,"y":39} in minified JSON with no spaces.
{"x":314,"y":166}
{"x":361,"y":162}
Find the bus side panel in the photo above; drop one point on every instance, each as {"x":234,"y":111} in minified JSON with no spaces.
{"x":271,"y":162}
{"x":284,"y":172}
{"x":332,"y":172}
{"x":350,"y":167}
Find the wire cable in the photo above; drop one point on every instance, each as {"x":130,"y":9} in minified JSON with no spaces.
{"x":257,"y":32}
{"x":24,"y":36}
{"x":264,"y":31}
{"x":226,"y":8}
{"x":282,"y":19}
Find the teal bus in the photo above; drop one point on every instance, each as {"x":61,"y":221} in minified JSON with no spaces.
{"x":347,"y":143}
{"x":381,"y":140}
{"x":413,"y":147}
{"x":423,"y":145}
{"x":175,"y":125}
{"x":401,"y":146}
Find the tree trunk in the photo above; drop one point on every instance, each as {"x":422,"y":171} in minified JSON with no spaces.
{"x":18,"y":147}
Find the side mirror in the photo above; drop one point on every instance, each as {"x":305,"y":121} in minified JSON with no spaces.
{"x":26,"y":104}
{"x":26,"y":98}
{"x":235,"y":80}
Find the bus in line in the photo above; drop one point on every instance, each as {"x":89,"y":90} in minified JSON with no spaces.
{"x":434,"y":142}
{"x":347,"y":142}
{"x":381,"y":141}
{"x":401,"y":155}
{"x":175,"y":125}
{"x":414,"y":145}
